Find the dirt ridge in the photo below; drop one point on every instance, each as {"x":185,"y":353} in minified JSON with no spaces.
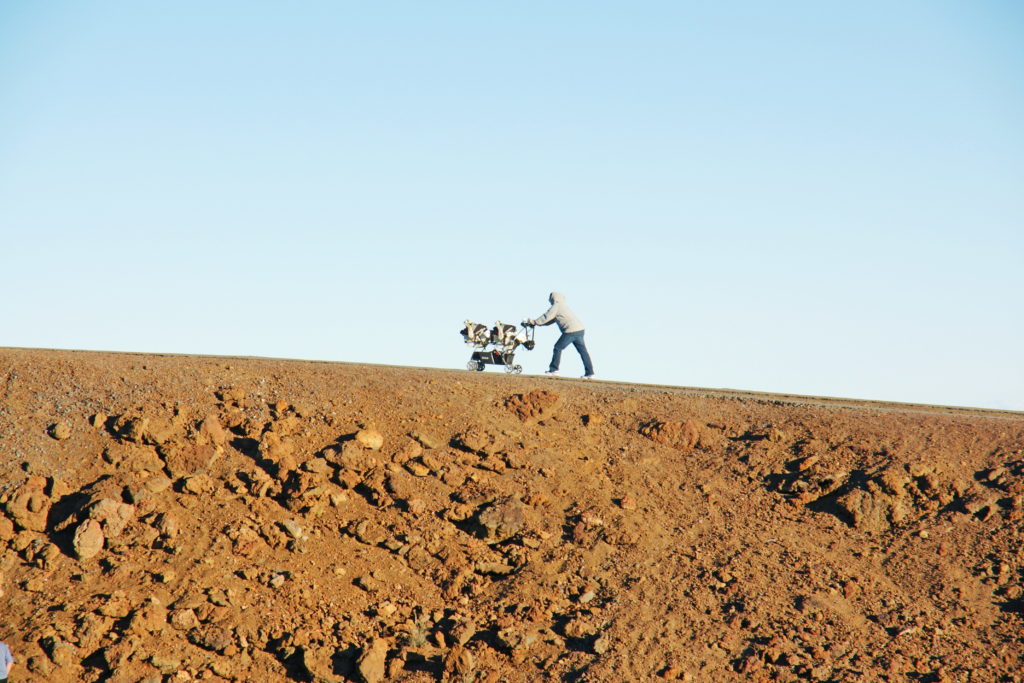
{"x":779,"y":398}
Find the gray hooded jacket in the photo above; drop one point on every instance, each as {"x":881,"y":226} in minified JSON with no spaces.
{"x":561,"y":314}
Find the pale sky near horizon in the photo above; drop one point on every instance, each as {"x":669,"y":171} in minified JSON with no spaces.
{"x":797,"y":197}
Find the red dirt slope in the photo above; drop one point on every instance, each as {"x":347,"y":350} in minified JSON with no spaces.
{"x":174,"y":518}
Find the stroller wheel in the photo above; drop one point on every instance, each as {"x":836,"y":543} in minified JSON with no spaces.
{"x":475,"y":365}
{"x":514,"y":369}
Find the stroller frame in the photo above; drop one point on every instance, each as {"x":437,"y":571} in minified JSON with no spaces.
{"x":503,"y":337}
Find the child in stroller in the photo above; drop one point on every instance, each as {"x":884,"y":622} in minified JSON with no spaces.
{"x":505,"y":339}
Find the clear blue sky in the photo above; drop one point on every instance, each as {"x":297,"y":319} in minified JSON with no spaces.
{"x":809,"y":197}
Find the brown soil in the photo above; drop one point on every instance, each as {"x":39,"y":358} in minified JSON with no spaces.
{"x":171,"y":518}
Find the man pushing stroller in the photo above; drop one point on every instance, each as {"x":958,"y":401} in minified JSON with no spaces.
{"x":572,"y":333}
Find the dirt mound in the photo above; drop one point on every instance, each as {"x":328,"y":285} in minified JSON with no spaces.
{"x":192,"y":518}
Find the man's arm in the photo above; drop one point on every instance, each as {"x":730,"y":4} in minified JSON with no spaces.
{"x":548,"y":317}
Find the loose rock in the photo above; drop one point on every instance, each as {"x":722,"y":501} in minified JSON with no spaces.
{"x":372,"y":661}
{"x":60,"y":431}
{"x":682,"y":435}
{"x":370,"y":438}
{"x":88,"y":540}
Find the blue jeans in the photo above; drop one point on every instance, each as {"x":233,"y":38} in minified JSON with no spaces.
{"x":576,"y":339}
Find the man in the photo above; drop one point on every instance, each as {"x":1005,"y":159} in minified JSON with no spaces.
{"x":572,"y":333}
{"x":6,"y":662}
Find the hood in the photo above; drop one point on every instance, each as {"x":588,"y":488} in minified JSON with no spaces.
{"x":556,"y":298}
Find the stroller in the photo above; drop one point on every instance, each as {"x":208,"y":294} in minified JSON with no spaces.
{"x":505,"y":339}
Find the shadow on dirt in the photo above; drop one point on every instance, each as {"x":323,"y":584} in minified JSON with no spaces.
{"x":292,"y":658}
{"x":419,"y":663}
{"x":829,"y":503}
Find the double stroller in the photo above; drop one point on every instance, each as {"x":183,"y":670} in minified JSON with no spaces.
{"x":503,"y":337}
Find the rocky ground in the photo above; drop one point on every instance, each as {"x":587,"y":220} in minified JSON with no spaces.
{"x":177,"y":518}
